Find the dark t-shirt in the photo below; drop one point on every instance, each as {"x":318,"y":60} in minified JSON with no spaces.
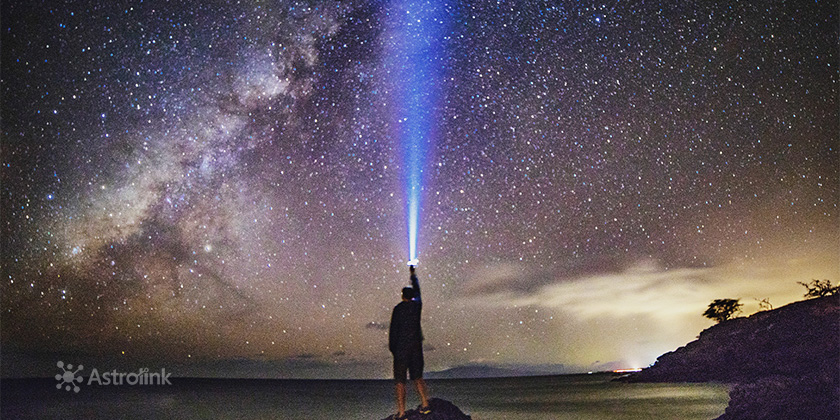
{"x":405,"y":335}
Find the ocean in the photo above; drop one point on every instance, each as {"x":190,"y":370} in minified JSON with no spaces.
{"x":534,"y":398}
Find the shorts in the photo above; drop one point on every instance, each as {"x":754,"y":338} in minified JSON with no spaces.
{"x":411,"y":362}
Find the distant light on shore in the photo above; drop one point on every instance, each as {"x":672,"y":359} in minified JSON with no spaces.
{"x":631,"y":370}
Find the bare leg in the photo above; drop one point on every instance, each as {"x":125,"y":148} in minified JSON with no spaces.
{"x":420,"y":384}
{"x":400,"y":391}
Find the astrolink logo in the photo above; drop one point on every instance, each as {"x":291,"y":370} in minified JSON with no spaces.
{"x":68,"y":378}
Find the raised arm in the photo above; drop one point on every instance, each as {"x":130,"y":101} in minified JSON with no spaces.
{"x":415,"y":284}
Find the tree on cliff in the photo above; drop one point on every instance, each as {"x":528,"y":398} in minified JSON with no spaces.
{"x":722,"y":309}
{"x":820,"y":288}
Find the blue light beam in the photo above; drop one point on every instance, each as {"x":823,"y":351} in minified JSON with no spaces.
{"x":413,"y":44}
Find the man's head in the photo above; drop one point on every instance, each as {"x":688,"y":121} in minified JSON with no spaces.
{"x":408,"y":293}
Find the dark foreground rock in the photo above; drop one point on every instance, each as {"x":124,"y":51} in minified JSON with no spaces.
{"x":783,"y":363}
{"x":441,"y":410}
{"x":779,"y":397}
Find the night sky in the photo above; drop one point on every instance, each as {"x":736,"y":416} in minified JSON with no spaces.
{"x":220,"y":187}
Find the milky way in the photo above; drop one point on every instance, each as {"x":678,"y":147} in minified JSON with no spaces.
{"x":220,"y":187}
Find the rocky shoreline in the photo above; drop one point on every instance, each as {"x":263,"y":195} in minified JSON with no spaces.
{"x":781,"y":363}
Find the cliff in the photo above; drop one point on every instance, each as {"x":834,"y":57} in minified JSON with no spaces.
{"x":782,"y":363}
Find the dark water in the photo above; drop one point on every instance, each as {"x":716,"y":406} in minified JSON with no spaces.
{"x":555,"y":397}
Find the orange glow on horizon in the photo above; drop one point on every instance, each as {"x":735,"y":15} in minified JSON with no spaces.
{"x":627,"y":370}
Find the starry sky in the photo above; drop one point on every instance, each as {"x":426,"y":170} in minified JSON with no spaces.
{"x":220,"y":187}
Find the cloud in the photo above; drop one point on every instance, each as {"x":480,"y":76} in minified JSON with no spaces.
{"x":373,"y":325}
{"x":641,"y":289}
{"x":644,"y":287}
{"x":523,"y":280}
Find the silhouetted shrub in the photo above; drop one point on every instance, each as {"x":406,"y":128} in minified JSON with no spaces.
{"x":722,"y":309}
{"x":820,"y":288}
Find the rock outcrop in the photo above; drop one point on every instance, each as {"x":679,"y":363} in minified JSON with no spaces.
{"x":782,"y":363}
{"x":441,"y":410}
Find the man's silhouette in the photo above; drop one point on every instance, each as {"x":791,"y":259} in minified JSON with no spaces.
{"x":405,"y":340}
